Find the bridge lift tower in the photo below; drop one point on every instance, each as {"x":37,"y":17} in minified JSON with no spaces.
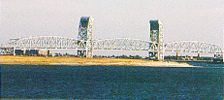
{"x":156,"y":38}
{"x":85,"y":37}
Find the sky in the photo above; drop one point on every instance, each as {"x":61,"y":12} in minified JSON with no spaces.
{"x":183,"y":20}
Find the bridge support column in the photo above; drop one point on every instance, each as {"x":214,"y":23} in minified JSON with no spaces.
{"x":198,"y":57}
{"x":24,"y":51}
{"x":81,"y":53}
{"x":14,"y":51}
{"x":152,"y":55}
{"x":85,"y":37}
{"x":177,"y":55}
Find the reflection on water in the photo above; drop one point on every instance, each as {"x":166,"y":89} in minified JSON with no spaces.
{"x":111,"y":82}
{"x":204,"y":64}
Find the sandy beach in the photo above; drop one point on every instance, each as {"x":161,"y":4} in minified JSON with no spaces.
{"x":31,"y":60}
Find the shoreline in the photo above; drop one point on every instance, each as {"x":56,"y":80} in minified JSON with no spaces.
{"x":75,"y":61}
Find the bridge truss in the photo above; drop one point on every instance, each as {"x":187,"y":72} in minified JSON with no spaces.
{"x":46,"y":42}
{"x":124,"y":44}
{"x":54,"y":42}
{"x":192,"y":47}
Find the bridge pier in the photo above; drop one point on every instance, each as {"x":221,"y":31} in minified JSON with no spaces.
{"x":81,"y":53}
{"x":153,"y":56}
{"x":198,"y":57}
{"x":24,"y":51}
{"x":177,"y":55}
{"x":14,"y":51}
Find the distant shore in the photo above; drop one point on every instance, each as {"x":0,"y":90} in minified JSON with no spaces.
{"x":33,"y":60}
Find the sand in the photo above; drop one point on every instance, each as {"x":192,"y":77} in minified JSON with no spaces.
{"x":35,"y":60}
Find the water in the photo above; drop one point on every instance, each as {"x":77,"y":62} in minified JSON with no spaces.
{"x":112,"y":82}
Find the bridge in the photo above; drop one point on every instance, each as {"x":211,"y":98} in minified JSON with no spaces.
{"x":85,"y":44}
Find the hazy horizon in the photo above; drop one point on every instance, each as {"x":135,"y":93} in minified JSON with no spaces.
{"x":183,"y":20}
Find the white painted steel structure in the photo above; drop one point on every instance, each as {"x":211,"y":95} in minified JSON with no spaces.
{"x":156,"y":37}
{"x":85,"y":43}
{"x":85,"y":36}
{"x":124,"y":44}
{"x":192,"y":47}
{"x":55,"y":42}
{"x":46,"y":42}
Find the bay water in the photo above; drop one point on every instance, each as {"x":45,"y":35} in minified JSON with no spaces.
{"x":113,"y":82}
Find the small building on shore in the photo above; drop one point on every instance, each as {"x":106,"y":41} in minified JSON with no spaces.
{"x":44,"y":52}
{"x":6,"y":50}
{"x":32,"y":52}
{"x":218,"y":58}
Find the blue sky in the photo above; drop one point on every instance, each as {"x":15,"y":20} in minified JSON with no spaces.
{"x":184,"y":20}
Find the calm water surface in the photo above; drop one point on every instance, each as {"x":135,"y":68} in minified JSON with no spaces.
{"x":112,"y":82}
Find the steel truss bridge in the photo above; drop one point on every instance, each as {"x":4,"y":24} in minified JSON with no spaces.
{"x":85,"y":44}
{"x":55,"y":42}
